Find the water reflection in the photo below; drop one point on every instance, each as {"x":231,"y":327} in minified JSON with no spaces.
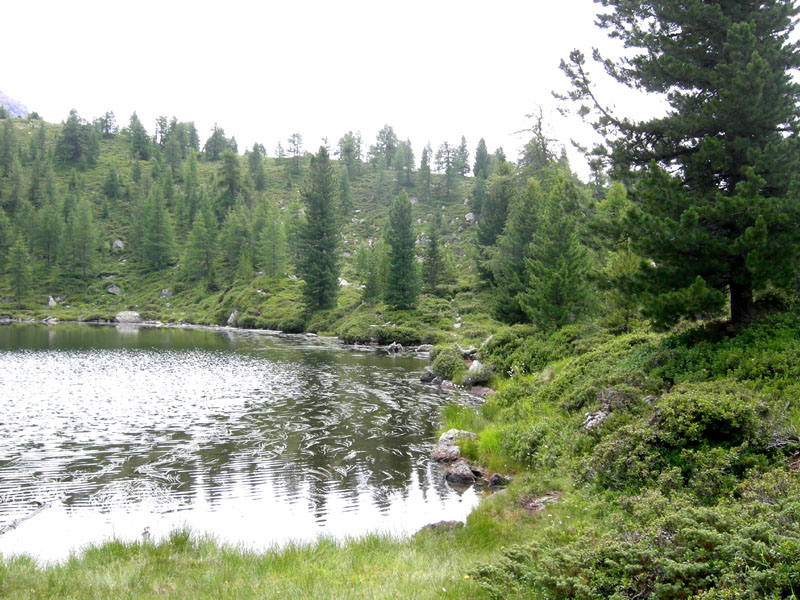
{"x":253,"y":438}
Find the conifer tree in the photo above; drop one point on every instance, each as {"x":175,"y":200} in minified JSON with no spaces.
{"x":49,"y":230}
{"x":20,"y":269}
{"x":557,"y":268}
{"x":345,"y":200}
{"x":481,"y":167}
{"x":493,"y":216}
{"x":402,"y":284}
{"x":507,"y":258}
{"x":433,"y":261}
{"x":201,"y":249}
{"x":83,"y":236}
{"x":138,"y":139}
{"x":7,"y":238}
{"x":424,"y":174}
{"x":255,"y":167}
{"x":272,"y":242}
{"x":8,"y":146}
{"x":159,"y":236}
{"x":319,"y":235}
{"x":714,"y":213}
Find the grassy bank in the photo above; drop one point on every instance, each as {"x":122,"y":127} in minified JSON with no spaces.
{"x":432,"y":564}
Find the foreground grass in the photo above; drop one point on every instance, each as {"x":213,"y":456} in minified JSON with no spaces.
{"x":431,"y":564}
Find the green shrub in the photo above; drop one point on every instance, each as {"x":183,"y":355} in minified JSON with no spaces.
{"x":447,"y":362}
{"x":743,"y":548}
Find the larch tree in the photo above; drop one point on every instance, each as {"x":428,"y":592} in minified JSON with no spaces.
{"x":714,"y":210}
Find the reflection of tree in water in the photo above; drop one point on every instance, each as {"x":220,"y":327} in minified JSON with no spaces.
{"x":323,"y":423}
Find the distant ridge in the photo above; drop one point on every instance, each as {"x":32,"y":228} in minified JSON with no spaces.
{"x":15,"y":108}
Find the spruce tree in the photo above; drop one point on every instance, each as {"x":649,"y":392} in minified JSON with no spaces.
{"x":714,"y":210}
{"x":83,"y":236}
{"x":481,"y":167}
{"x":201,"y":249}
{"x":402,"y":284}
{"x":319,"y":235}
{"x":272,"y":243}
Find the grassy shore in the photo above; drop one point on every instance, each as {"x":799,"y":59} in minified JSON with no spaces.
{"x":434,"y":563}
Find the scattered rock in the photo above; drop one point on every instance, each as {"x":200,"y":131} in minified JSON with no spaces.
{"x":292,"y":277}
{"x":466,"y":201}
{"x":128,"y":316}
{"x":446,"y":454}
{"x":49,"y":320}
{"x":113,"y":289}
{"x":487,"y":340}
{"x":311,"y":335}
{"x":343,"y":282}
{"x":395,"y":348}
{"x":476,"y":374}
{"x":451,"y":436}
{"x":442,"y":526}
{"x":232,"y":318}
{"x":480,"y":391}
{"x":457,"y":325}
{"x":460,"y":473}
{"x":106,"y":276}
{"x":466,"y":353}
{"x":166,"y":294}
{"x":413,"y":200}
{"x":51,"y":301}
{"x":594,"y":419}
{"x":446,"y":449}
{"x":427,"y":375}
{"x":469,"y":218}
{"x":497,"y":480}
{"x":422,"y":348}
{"x":117,"y":245}
{"x":536,"y":504}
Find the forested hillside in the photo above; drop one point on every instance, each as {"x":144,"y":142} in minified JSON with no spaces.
{"x":101,"y":219}
{"x":640,"y":331}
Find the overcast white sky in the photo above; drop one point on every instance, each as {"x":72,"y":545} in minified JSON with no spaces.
{"x":435,"y":70}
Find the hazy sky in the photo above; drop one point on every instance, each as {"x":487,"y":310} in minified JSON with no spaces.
{"x":434,"y":70}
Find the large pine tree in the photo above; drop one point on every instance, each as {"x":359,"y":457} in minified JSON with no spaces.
{"x":714,"y":213}
{"x":318,"y":264}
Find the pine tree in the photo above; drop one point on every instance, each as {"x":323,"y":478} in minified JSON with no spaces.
{"x":402,"y":285}
{"x":714,"y":214}
{"x":319,"y":235}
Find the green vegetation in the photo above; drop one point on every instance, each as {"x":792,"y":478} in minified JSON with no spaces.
{"x":644,"y":332}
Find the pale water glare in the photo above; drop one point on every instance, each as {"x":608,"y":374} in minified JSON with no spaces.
{"x":254,"y":439}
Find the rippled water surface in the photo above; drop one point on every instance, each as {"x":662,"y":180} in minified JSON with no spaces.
{"x":255,"y":439}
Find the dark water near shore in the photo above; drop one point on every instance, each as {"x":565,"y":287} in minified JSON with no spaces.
{"x":255,"y":439}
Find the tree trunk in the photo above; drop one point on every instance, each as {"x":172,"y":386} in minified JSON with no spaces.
{"x":741,"y":301}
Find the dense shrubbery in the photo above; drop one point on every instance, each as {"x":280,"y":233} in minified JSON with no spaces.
{"x":748,"y":547}
{"x":447,"y":362}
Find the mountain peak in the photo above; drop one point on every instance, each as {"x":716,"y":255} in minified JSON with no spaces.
{"x":15,"y":108}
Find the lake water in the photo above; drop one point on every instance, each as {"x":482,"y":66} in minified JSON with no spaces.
{"x":255,"y":439}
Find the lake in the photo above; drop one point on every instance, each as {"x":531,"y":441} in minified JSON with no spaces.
{"x":256,"y":439}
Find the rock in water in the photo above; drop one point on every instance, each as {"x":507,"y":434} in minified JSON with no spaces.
{"x":461,"y":473}
{"x":128,"y":316}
